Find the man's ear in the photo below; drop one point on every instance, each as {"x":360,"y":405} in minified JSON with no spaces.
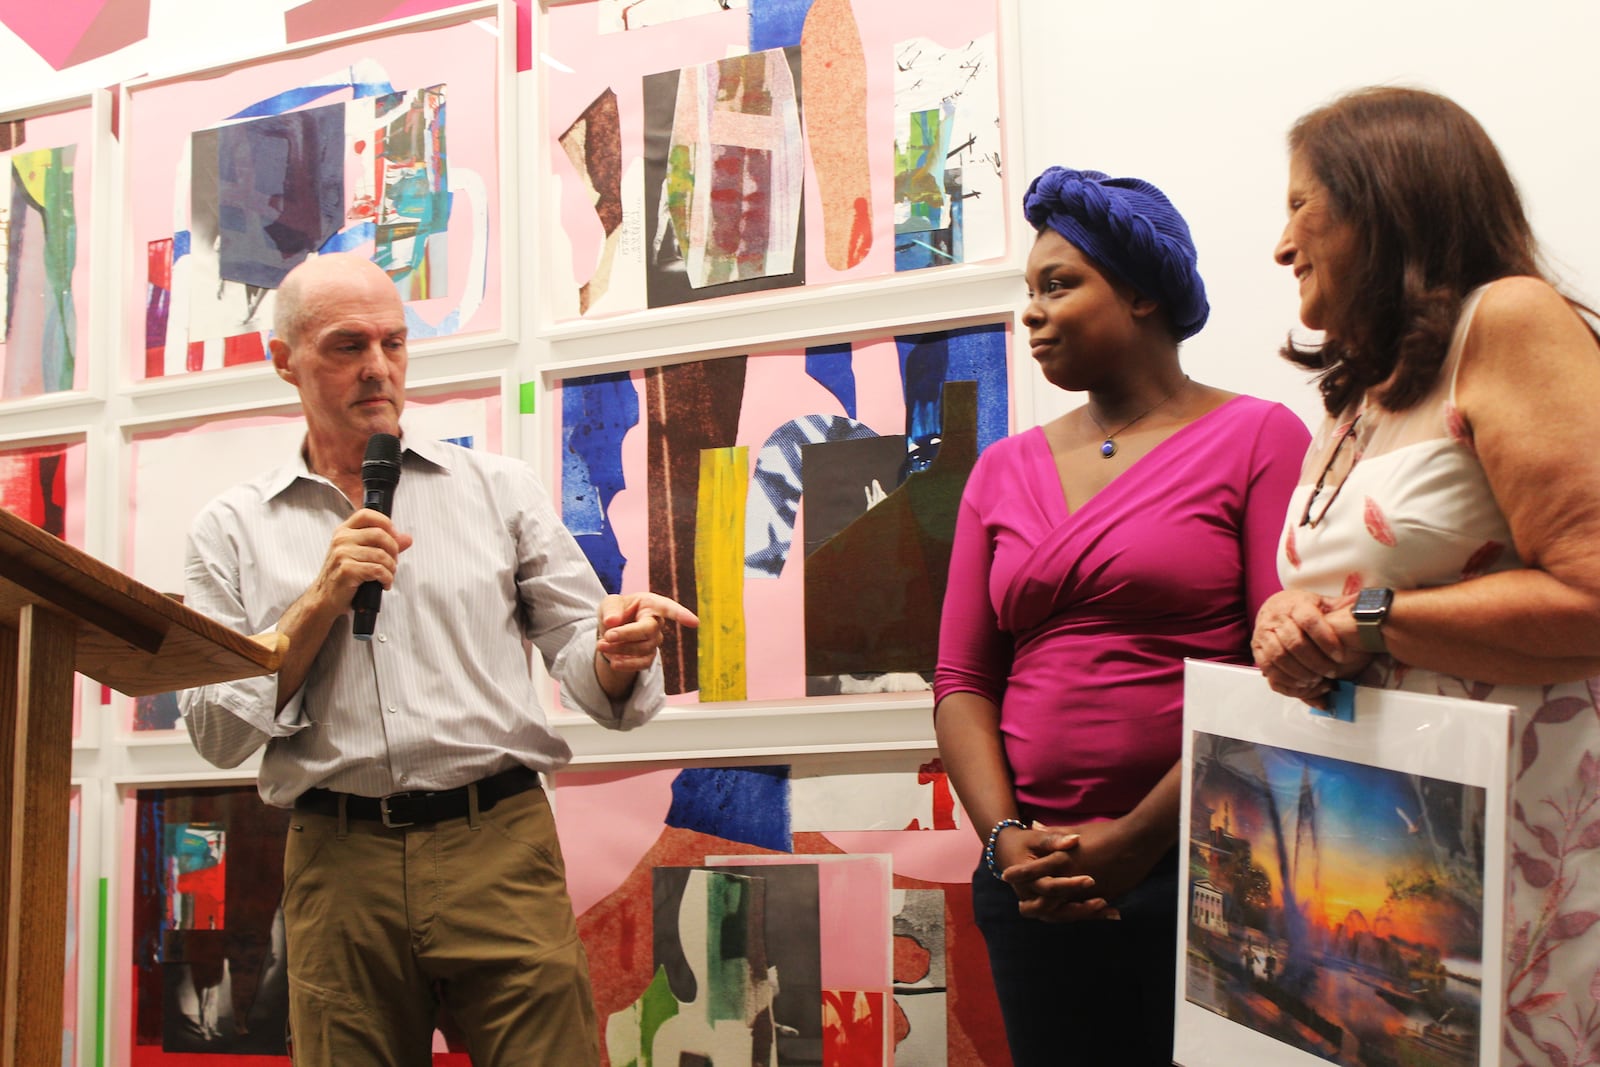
{"x":280,"y":360}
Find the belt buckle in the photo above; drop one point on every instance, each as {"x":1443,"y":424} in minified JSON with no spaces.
{"x":388,"y":816}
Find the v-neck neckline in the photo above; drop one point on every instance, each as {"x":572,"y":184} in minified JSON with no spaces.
{"x":1070,"y":512}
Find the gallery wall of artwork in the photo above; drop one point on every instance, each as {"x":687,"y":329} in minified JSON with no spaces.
{"x":666,"y":251}
{"x":740,"y":281}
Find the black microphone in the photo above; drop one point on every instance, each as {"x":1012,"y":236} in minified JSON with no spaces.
{"x":380,"y":473}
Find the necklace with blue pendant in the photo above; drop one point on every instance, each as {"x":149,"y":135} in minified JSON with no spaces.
{"x":1108,"y":447}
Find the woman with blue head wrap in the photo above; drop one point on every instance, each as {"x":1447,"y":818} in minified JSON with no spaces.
{"x":1131,"y":231}
{"x":1092,"y":556}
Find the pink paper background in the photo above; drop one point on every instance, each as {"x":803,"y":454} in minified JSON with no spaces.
{"x":631,"y":807}
{"x":69,"y":32}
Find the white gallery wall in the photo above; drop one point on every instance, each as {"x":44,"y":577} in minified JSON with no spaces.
{"x":1198,"y":98}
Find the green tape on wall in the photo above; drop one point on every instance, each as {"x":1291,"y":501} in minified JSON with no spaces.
{"x":100,"y":978}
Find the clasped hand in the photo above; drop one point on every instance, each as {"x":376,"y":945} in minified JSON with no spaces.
{"x":1068,"y":874}
{"x":1304,"y":641}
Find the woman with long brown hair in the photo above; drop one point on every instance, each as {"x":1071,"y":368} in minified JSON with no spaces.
{"x":1445,"y":535}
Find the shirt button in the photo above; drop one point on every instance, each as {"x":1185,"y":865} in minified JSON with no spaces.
{"x":404,"y":778}
{"x":392,"y":709}
{"x":382,"y":638}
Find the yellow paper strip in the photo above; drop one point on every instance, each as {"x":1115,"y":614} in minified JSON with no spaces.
{"x":719,"y":571}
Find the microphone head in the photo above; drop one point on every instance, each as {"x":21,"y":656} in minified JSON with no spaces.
{"x":381,"y":464}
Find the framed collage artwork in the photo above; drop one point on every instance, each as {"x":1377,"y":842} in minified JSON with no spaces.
{"x":387,"y":144}
{"x":52,"y":169}
{"x":200,"y":975}
{"x":787,"y":492}
{"x":697,"y":150}
{"x":841,"y":890}
{"x":46,"y":482}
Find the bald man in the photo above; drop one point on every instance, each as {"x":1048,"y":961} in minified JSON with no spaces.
{"x":422,"y":864}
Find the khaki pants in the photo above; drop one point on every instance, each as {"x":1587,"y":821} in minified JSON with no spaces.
{"x":382,"y":924}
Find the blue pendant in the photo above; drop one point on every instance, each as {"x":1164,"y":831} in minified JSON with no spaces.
{"x":1108,"y":449}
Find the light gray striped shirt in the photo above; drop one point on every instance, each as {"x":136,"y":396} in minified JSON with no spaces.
{"x":442,"y":694}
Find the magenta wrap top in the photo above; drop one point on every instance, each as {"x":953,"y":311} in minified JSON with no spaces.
{"x":1077,"y":625}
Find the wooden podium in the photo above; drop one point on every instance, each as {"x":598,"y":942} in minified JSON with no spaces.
{"x":60,"y":611}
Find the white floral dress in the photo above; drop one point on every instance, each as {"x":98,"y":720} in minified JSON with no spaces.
{"x":1415,"y":510}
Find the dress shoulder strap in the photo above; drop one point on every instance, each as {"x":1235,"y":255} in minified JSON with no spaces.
{"x":1458,"y":340}
{"x":1432,"y":417}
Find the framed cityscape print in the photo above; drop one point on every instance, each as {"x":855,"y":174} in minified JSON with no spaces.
{"x":1345,"y":896}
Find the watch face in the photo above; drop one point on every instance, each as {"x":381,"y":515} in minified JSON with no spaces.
{"x":1373,"y":602}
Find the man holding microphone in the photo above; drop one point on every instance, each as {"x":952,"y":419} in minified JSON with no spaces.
{"x":422,"y":864}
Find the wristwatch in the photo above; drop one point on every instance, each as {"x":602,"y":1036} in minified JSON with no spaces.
{"x":1371,"y":609}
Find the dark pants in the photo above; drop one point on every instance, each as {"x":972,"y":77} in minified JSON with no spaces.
{"x":1097,"y":993}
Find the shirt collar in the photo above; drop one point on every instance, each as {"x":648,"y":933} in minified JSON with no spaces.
{"x":434,"y":452}
{"x":431,"y":452}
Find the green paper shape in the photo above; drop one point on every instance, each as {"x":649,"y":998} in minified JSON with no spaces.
{"x":656,"y":1006}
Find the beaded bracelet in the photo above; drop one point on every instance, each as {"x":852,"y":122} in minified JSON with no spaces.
{"x":994,"y":835}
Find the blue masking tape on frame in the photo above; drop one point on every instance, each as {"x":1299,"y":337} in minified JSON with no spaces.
{"x":1341,"y":703}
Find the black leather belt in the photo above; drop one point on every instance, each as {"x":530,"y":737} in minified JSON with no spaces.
{"x":414,"y":809}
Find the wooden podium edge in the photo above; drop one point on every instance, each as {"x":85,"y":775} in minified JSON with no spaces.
{"x":124,"y":627}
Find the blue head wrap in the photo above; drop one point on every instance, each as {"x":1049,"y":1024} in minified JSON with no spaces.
{"x":1131,"y":230}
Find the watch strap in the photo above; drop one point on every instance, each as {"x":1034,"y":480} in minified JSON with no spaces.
{"x":1371,"y":611}
{"x":1370,"y":635}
